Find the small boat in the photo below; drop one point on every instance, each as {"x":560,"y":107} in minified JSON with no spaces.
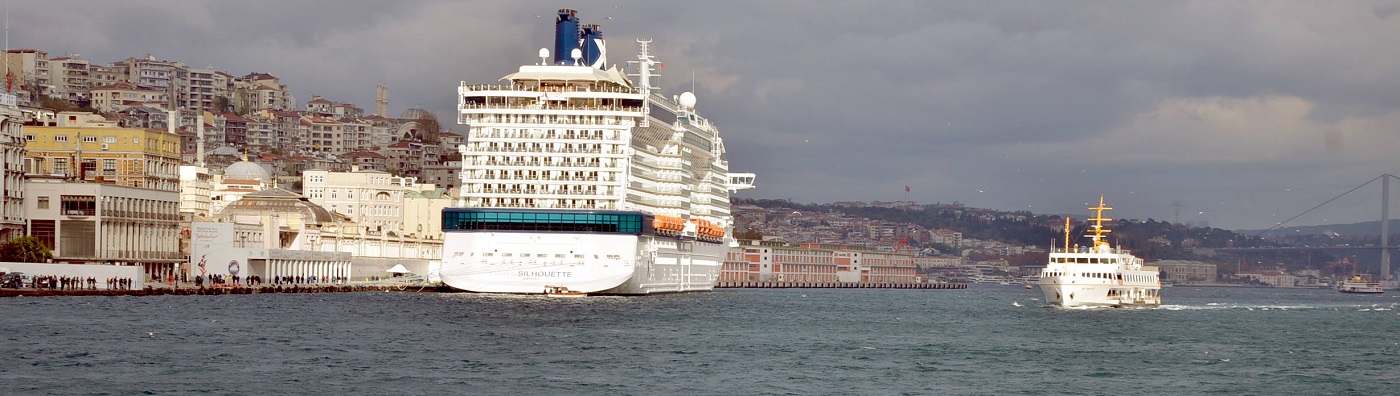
{"x":561,"y":291}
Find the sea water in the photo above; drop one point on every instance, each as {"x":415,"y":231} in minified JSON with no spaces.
{"x":987,"y":339}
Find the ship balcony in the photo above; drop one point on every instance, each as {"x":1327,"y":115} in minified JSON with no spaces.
{"x":491,"y":150}
{"x":467,"y":109}
{"x":518,"y":192}
{"x":465,"y":88}
{"x":479,"y":136}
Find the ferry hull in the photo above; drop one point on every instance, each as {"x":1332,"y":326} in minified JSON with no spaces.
{"x":529,"y":263}
{"x":1069,"y":295}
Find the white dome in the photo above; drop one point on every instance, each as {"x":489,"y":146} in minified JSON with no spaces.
{"x":246,"y":171}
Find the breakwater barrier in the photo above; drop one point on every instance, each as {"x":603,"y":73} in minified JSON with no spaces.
{"x":835,"y":285}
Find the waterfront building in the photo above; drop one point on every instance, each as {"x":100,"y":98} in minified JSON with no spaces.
{"x":767,"y":261}
{"x":1274,"y":278}
{"x":87,"y":147}
{"x":270,"y":233}
{"x":88,"y":222}
{"x":237,"y":180}
{"x":1186,"y":271}
{"x":196,"y":193}
{"x":12,"y":168}
{"x":275,"y":232}
{"x":378,"y":200}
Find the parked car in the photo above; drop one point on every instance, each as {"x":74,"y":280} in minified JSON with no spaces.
{"x":14,"y":280}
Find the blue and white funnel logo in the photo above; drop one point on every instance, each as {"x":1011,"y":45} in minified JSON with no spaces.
{"x":233,"y":267}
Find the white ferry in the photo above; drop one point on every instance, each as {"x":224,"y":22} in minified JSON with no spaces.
{"x":576,"y":178}
{"x":1098,"y":275}
{"x":1359,"y":285}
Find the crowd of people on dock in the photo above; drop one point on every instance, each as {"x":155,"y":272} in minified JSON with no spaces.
{"x":218,"y":280}
{"x":54,"y":282}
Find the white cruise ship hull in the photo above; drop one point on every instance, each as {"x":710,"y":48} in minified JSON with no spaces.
{"x":528,"y":263}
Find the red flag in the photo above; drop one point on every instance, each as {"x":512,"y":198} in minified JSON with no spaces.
{"x":906,"y":188}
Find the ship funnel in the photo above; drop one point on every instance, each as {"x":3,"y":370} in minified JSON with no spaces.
{"x":565,"y":35}
{"x":595,"y":52}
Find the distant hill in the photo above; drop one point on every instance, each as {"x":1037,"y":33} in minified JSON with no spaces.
{"x":1363,"y":228}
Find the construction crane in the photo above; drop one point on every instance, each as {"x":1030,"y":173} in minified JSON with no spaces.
{"x":903,"y":244}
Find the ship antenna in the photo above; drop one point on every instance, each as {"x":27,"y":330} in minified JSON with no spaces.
{"x":1066,"y":234}
{"x":1098,"y":220}
{"x":644,"y":64}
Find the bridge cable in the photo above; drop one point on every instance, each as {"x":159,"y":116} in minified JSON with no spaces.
{"x":1280,"y":224}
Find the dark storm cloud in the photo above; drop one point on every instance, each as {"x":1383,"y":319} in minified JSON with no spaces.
{"x":1247,"y":111}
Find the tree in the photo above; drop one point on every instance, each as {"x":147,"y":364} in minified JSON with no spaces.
{"x":25,"y":249}
{"x":428,"y":128}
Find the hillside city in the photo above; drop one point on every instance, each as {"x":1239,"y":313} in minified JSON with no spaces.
{"x":153,"y":138}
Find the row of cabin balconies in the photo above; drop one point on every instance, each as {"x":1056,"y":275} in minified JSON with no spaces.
{"x":489,"y":149}
{"x":490,"y":178}
{"x":657,"y":176}
{"x":555,"y":119}
{"x":465,"y":88}
{"x":549,"y":105}
{"x":535,"y":193}
{"x":479,"y":135}
{"x":559,"y":164}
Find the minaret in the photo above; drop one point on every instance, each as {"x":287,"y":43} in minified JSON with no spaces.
{"x":199,"y":141}
{"x":381,"y":99}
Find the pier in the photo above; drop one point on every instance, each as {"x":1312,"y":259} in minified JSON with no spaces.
{"x":835,"y":285}
{"x":210,"y":291}
{"x":166,"y":290}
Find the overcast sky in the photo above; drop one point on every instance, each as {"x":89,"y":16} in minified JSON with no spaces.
{"x":1246,"y":113}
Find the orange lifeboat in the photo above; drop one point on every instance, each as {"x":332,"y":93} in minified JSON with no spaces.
{"x":707,"y":229}
{"x":668,"y":225}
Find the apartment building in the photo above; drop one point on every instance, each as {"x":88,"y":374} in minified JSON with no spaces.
{"x":12,"y":217}
{"x":87,"y":147}
{"x":70,"y":78}
{"x":123,"y":95}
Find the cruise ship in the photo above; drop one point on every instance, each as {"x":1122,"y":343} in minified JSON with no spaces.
{"x":578,"y":180}
{"x":1098,"y":275}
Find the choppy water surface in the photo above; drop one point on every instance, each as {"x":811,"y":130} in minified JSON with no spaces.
{"x":860,"y":341}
